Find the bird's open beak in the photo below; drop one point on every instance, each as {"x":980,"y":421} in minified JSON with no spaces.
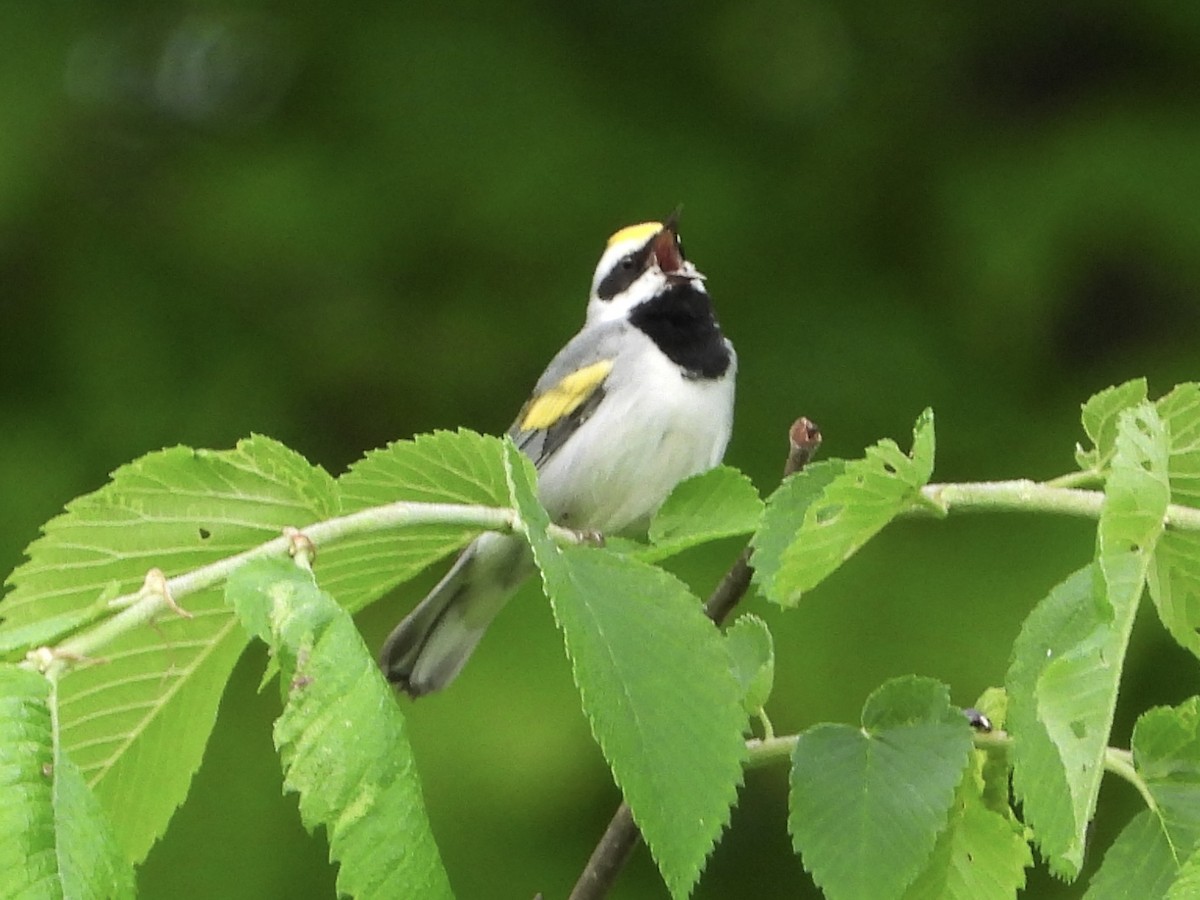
{"x":666,"y":248}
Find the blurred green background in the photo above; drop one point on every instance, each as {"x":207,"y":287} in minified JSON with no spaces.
{"x":344,"y":225}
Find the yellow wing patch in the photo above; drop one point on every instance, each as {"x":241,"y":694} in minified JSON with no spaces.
{"x":635,"y":232}
{"x":565,"y":397}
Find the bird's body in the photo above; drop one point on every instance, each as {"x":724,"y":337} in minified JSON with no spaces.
{"x":637,"y":401}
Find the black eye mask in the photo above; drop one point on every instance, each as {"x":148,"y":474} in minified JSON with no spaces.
{"x":627,"y":270}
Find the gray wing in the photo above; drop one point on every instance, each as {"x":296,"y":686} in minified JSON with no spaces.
{"x":592,"y":345}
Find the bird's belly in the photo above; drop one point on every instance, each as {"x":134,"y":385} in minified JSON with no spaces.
{"x":623,"y":462}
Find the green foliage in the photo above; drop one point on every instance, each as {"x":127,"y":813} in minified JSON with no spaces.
{"x":1062,"y":687}
{"x":1138,"y":864}
{"x":137,"y":724}
{"x":982,"y":853}
{"x":1174,"y":580}
{"x":1100,"y":421}
{"x":721,"y":502}
{"x":54,"y":838}
{"x":1156,"y":853}
{"x":867,"y":804}
{"x":1187,"y":885}
{"x":1166,"y":752}
{"x":341,"y":737}
{"x":443,"y":467}
{"x":1067,"y":662}
{"x":900,"y":806}
{"x":787,"y":509}
{"x":752,"y":653}
{"x":337,"y":229}
{"x":655,"y":683}
{"x":1136,"y":492}
{"x":848,"y":508}
{"x":42,"y":632}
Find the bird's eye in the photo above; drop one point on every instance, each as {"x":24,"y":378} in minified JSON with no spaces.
{"x":623,"y":274}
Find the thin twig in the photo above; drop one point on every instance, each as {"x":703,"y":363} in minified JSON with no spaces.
{"x":621,"y":836}
{"x":804,"y":439}
{"x":1023,"y":495}
{"x":159,"y":594}
{"x":610,"y":856}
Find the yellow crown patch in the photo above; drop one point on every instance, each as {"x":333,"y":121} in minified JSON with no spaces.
{"x":635,"y":232}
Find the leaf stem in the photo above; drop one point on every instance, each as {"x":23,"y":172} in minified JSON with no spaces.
{"x":1083,"y":478}
{"x":1120,"y":763}
{"x":1020,"y":495}
{"x":767,"y":728}
{"x":1023,"y":495}
{"x":768,"y":751}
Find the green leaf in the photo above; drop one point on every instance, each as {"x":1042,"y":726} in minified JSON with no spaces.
{"x":1174,"y":579}
{"x":341,"y":736}
{"x":719,"y":503}
{"x":1062,"y":689}
{"x":54,"y":838}
{"x":851,"y":509}
{"x":443,"y":467}
{"x":1068,"y":659}
{"x":1138,"y":864}
{"x":752,"y":653}
{"x":655,"y":684}
{"x":1137,"y":491}
{"x":1100,"y":415}
{"x":1166,"y":753}
{"x":867,"y":804}
{"x":1187,"y":883}
{"x":16,"y":641}
{"x":982,"y":853}
{"x":137,"y":724}
{"x":785,"y":510}
{"x":993,"y":703}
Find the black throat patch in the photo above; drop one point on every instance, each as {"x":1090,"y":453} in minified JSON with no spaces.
{"x":681,"y":322}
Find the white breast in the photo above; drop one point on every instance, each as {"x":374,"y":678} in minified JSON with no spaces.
{"x":653,"y":429}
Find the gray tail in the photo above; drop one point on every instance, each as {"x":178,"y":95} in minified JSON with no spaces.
{"x":431,"y":645}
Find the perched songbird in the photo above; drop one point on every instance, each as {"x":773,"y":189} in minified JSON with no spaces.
{"x":637,"y":401}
